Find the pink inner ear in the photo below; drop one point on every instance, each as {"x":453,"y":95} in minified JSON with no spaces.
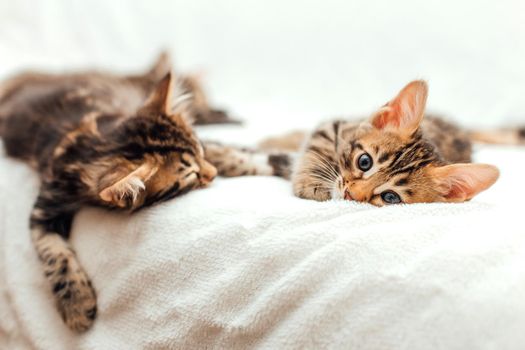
{"x":459,"y":191}
{"x":387,"y":116}
{"x":461,"y":182}
{"x":405,"y":111}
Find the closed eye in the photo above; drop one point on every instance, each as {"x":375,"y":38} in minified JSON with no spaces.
{"x":190,"y":174}
{"x":165,"y":195}
{"x":185,"y":162}
{"x":190,"y":179}
{"x":170,"y":193}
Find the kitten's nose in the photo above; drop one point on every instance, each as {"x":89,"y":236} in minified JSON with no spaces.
{"x":355,"y":195}
{"x":359,"y":196}
{"x":208,"y":172}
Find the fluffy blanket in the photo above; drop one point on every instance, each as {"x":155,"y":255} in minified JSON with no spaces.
{"x":244,"y":264}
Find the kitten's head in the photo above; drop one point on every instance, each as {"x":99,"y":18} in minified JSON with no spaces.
{"x":157,"y":155}
{"x":386,"y":160}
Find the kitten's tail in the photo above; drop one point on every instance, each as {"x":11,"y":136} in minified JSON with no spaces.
{"x":233,"y":161}
{"x":510,"y":136}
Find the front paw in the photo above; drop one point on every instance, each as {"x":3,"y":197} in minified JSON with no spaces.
{"x":75,"y":297}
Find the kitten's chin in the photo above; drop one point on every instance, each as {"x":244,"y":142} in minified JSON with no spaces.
{"x":336,"y":193}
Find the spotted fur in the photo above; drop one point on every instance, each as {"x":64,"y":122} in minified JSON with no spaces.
{"x":96,"y":139}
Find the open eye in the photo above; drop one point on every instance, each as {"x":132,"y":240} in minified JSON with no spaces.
{"x":390,"y":197}
{"x":364,"y":162}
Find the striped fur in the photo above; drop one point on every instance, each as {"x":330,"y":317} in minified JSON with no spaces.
{"x":419,"y":159}
{"x":96,"y":139}
{"x":232,"y":161}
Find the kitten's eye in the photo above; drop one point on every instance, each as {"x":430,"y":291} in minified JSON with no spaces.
{"x":364,"y":162}
{"x":390,"y":197}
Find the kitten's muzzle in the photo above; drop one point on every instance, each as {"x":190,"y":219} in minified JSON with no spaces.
{"x":207,"y":174}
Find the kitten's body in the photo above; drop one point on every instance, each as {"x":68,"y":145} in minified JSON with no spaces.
{"x":97,"y":139}
{"x":413,"y":159}
{"x":111,"y":92}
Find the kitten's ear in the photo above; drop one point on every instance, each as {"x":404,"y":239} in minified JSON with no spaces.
{"x":161,"y":67}
{"x":461,"y":182}
{"x":124,"y":191}
{"x":405,"y":112}
{"x":159,"y":101}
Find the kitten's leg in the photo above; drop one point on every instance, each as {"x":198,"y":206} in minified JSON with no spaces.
{"x":74,"y":295}
{"x":207,"y":116}
{"x":231,"y":161}
{"x":290,"y":142}
{"x":511,"y":136}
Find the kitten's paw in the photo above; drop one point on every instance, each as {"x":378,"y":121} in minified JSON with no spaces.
{"x":75,"y":297}
{"x":77,"y":303}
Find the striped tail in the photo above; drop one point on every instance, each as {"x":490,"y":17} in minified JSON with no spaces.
{"x":511,"y":136}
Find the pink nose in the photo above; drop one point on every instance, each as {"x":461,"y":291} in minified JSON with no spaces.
{"x":208,"y":173}
{"x":359,"y":196}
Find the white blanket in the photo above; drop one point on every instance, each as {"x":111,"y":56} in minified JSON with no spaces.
{"x":245,"y":264}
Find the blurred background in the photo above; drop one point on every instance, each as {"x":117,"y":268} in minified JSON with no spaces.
{"x":291,"y":64}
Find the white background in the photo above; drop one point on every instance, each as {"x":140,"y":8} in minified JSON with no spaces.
{"x":290,"y":64}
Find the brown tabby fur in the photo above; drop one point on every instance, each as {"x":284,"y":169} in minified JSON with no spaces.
{"x":131,"y":90}
{"x":99,"y":139}
{"x":420,"y":160}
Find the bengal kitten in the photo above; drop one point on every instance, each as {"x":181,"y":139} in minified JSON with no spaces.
{"x":97,"y":139}
{"x":395,"y":156}
{"x":198,"y":112}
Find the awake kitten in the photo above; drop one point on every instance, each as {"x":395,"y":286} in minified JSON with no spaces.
{"x":95,"y":139}
{"x":396,"y":156}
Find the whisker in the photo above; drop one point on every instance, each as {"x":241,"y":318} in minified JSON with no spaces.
{"x":320,"y":171}
{"x":324,"y":180}
{"x":325,"y":163}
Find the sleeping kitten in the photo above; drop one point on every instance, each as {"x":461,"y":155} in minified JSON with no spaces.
{"x":395,"y":156}
{"x":198,"y":112}
{"x":96,"y":139}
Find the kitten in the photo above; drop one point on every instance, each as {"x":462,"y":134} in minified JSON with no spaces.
{"x":96,"y":139}
{"x":198,"y":112}
{"x":395,"y":156}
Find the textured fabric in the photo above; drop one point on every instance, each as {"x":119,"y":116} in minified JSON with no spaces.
{"x":245,"y":264}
